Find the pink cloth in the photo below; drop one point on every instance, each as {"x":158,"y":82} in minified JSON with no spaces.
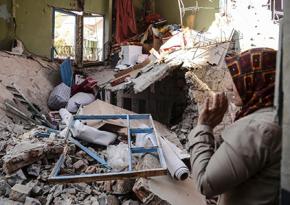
{"x":125,"y":20}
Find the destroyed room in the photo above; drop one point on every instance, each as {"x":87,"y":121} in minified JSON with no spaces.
{"x":136,"y":102}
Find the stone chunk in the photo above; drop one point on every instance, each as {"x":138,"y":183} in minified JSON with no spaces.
{"x":34,"y":170}
{"x":37,"y":190}
{"x":123,"y":186}
{"x":141,"y":189}
{"x":130,"y":202}
{"x":80,"y":164}
{"x":31,"y":201}
{"x":70,"y":191}
{"x":5,"y":201}
{"x":16,"y":178}
{"x":4,"y":188}
{"x":19,"y":192}
{"x":108,"y":200}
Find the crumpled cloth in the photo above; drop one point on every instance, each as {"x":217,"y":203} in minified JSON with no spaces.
{"x":87,"y":133}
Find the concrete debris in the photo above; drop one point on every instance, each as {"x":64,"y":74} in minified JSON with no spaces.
{"x":108,"y":200}
{"x":19,"y":192}
{"x":122,"y":187}
{"x":119,"y":187}
{"x":26,"y":153}
{"x":4,"y":188}
{"x":31,"y":201}
{"x":21,"y":152}
{"x":16,"y":177}
{"x":80,"y":164}
{"x":34,"y":170}
{"x":131,"y":202}
{"x":5,"y":201}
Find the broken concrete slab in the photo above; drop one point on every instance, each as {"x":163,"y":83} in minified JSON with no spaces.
{"x":19,"y":192}
{"x":26,"y":153}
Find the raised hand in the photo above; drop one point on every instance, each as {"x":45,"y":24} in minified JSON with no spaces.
{"x":213,"y":115}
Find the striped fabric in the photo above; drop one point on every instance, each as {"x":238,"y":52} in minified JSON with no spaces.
{"x":253,"y":73}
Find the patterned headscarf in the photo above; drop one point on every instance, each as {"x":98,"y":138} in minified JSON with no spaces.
{"x":253,"y":73}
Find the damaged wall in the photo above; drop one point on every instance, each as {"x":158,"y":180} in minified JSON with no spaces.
{"x":165,"y":100}
{"x":6,"y":25}
{"x":203,"y":19}
{"x":34,"y":21}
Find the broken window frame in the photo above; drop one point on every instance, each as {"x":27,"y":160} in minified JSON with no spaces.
{"x":78,"y":58}
{"x":162,"y":170}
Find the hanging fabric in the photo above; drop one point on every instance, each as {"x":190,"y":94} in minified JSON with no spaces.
{"x":125,"y":20}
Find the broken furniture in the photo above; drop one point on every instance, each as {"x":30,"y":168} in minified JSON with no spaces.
{"x":132,"y":150}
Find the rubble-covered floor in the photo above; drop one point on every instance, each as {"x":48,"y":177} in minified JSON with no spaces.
{"x":27,"y":161}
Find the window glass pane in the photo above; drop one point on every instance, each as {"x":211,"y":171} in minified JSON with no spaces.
{"x":64,"y":35}
{"x":93,"y":38}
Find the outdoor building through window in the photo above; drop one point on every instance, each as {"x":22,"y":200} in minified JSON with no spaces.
{"x":93,"y":38}
{"x":65,"y":35}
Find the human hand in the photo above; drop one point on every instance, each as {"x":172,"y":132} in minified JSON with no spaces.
{"x":213,"y":115}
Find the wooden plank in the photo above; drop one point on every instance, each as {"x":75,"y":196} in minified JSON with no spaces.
{"x":107,"y":176}
{"x":135,"y":67}
{"x":119,"y":80}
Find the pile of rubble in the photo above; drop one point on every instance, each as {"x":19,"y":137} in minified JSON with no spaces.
{"x":27,"y":161}
{"x":29,"y":156}
{"x":189,"y":121}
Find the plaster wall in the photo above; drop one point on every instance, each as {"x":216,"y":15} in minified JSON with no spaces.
{"x":201,"y":20}
{"x":34,"y":21}
{"x":6,"y":25}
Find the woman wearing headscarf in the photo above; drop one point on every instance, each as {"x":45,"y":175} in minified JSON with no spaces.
{"x":245,"y":169}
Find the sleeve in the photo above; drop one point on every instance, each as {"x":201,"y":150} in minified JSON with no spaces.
{"x":232,"y":163}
